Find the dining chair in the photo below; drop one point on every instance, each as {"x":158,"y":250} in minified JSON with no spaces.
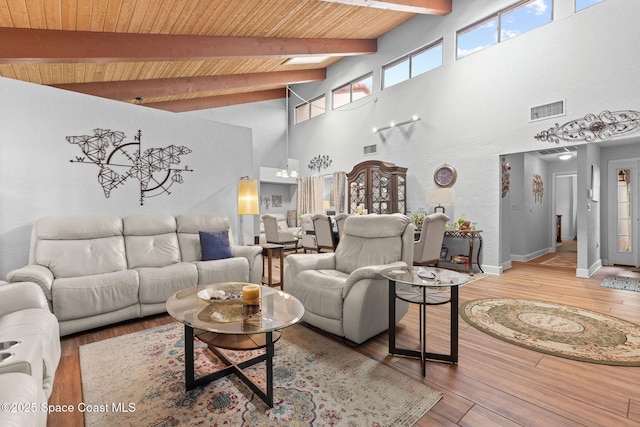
{"x":308,"y":234}
{"x":426,"y":251}
{"x":340,"y":218}
{"x":325,"y":239}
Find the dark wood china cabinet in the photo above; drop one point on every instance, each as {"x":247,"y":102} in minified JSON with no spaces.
{"x":379,"y":187}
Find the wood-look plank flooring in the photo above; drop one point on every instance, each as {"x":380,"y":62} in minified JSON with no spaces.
{"x":494,"y":383}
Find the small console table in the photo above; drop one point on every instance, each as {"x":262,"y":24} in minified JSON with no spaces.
{"x":470,"y":236}
{"x":271,"y":250}
{"x":424,"y":286}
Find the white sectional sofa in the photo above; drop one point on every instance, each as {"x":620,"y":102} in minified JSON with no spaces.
{"x":98,"y":269}
{"x":29,"y":354}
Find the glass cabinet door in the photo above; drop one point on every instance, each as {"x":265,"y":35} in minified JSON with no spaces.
{"x":402,"y":194}
{"x":380,"y":194}
{"x":357,"y":193}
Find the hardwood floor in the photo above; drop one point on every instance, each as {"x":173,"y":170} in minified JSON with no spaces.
{"x":494,"y":383}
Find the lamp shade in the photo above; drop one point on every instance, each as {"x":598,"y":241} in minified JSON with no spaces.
{"x":441,"y":196}
{"x":248,"y":197}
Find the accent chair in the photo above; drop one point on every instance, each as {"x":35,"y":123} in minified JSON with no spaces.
{"x":426,"y":251}
{"x":277,"y":236}
{"x":343,"y":292}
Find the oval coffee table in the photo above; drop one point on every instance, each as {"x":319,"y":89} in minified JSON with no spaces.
{"x":424,"y":286}
{"x":220,"y":326}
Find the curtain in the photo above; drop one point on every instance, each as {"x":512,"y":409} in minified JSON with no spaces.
{"x":310,"y":189}
{"x":339,"y":184}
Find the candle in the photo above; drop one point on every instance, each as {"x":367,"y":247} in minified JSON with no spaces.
{"x":251,"y":294}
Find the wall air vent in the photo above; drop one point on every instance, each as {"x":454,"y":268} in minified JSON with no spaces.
{"x":370,"y":149}
{"x":560,"y":150}
{"x":546,"y":111}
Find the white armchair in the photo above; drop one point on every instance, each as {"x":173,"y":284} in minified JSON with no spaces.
{"x":25,"y":321}
{"x":427,"y":248}
{"x":343,"y":292}
{"x":275,"y":235}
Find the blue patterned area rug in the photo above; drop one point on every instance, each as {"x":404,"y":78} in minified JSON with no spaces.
{"x":621,"y":282}
{"x":317,"y":381}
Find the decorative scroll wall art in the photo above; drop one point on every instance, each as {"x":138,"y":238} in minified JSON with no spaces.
{"x":119,"y":161}
{"x":602,"y":127}
{"x":538,"y":188}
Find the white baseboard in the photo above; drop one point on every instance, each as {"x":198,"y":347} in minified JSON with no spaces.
{"x":494,"y":269}
{"x":586,"y":273}
{"x":529,"y":257}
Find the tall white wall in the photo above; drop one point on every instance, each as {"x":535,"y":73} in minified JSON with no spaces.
{"x":37,"y":178}
{"x":474,"y":109}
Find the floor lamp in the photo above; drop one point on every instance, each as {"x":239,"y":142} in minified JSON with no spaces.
{"x":247,"y":201}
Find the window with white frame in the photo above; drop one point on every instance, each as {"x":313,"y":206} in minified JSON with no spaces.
{"x":583,"y":4}
{"x":413,"y":64}
{"x":352,"y":91}
{"x":310,"y":109}
{"x":505,"y":24}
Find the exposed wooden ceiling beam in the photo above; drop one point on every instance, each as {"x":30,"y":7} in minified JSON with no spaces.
{"x":428,"y":7}
{"x":183,"y":105}
{"x":24,"y":46}
{"x":122,"y":90}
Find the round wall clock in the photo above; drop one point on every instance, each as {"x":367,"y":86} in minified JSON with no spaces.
{"x":445,"y":175}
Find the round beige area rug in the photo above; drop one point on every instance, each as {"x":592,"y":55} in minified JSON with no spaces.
{"x":556,"y":329}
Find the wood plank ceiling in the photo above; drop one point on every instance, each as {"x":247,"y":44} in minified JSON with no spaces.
{"x":182,"y":55}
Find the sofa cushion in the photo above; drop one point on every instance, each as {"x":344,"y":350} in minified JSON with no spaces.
{"x":215,"y":245}
{"x":358,"y":252}
{"x":371,"y":240}
{"x":223,"y":270}
{"x":152,"y":251}
{"x":320,"y":291}
{"x":158,"y":284}
{"x":85,"y":296}
{"x":189,"y":227}
{"x":148,"y":224}
{"x":151,"y":240}
{"x":83,"y":257}
{"x":73,"y":227}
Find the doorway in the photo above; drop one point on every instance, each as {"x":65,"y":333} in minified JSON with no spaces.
{"x":566,"y":213}
{"x":624,"y":205}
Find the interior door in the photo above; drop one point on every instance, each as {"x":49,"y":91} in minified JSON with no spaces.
{"x":624,"y":183}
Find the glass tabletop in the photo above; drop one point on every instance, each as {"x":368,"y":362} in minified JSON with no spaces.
{"x":191,"y":307}
{"x":426,"y":276}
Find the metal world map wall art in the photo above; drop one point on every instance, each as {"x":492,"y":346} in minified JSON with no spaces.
{"x":119,"y":161}
{"x":591,"y":128}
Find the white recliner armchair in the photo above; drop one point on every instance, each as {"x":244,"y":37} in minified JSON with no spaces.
{"x":343,"y":292}
{"x":29,"y":352}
